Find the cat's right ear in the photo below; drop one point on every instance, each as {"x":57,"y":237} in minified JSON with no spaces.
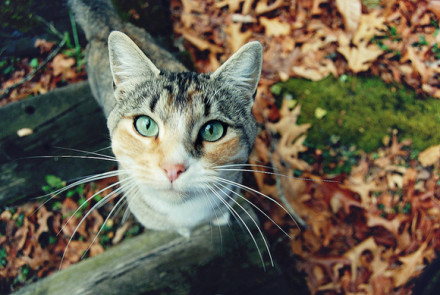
{"x":127,"y":62}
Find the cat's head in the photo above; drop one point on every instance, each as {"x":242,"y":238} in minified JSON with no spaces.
{"x":171,"y":130}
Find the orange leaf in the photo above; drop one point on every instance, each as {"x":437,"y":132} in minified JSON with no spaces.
{"x":61,"y":64}
{"x":351,"y":11}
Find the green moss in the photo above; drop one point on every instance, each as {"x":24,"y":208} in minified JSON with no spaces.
{"x":360,"y":111}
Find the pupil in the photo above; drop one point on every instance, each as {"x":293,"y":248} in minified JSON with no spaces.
{"x":147,"y":124}
{"x":210,"y":129}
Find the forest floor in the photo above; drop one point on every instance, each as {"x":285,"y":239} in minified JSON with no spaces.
{"x":349,"y":109}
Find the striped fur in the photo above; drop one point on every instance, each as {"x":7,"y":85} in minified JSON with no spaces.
{"x":180,"y":103}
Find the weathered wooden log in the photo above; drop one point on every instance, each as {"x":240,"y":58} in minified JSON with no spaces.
{"x":214,"y":260}
{"x":68,"y":117}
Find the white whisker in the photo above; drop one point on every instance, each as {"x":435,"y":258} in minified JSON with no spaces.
{"x":105,"y":221}
{"x":105,"y":199}
{"x":253,"y":220}
{"x":241,"y":219}
{"x":73,"y":157}
{"x":256,"y":207}
{"x":277,"y":174}
{"x":224,"y":180}
{"x":89,"y":199}
{"x":86,"y":152}
{"x":79,"y":182}
{"x":216,"y":216}
{"x":126,"y":213}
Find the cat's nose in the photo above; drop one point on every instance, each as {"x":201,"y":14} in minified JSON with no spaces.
{"x":173,"y":170}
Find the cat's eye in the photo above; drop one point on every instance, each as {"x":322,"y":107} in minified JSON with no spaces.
{"x":146,"y":126}
{"x":213,"y":131}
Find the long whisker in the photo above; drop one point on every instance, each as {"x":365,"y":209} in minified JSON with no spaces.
{"x":244,"y":223}
{"x":253,"y":220}
{"x":256,"y":207}
{"x":90,"y":198}
{"x":85,"y":152}
{"x":73,"y":157}
{"x":126,"y":213}
{"x":216,"y":216}
{"x":106,"y":198}
{"x":79,"y":182}
{"x":274,"y":173}
{"x":245,"y":165}
{"x":105,"y":221}
{"x":224,"y":180}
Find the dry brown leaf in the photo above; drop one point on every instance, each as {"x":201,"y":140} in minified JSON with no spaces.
{"x":418,"y":65}
{"x":274,"y":27}
{"x":391,"y":225}
{"x":233,"y":5}
{"x":200,"y":43}
{"x":355,"y":254}
{"x":351,"y":11}
{"x":371,"y":25}
{"x":292,"y":137}
{"x":430,"y":156}
{"x":263,"y":6}
{"x":316,"y":71}
{"x":410,"y":267}
{"x":316,"y":6}
{"x":45,"y":46}
{"x":237,"y":38}
{"x":360,"y":58}
{"x":62,"y":64}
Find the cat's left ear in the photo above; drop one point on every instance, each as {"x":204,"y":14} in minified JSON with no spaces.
{"x":243,"y":68}
{"x":127,"y":61}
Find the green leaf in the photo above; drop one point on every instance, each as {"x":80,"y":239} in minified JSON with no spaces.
{"x":276,"y":89}
{"x":34,"y":62}
{"x":82,"y":202}
{"x":54,"y":181}
{"x":320,"y":113}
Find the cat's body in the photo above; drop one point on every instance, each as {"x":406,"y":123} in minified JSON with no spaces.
{"x":172,"y":131}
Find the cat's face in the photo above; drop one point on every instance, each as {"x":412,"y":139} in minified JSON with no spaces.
{"x":171,"y":130}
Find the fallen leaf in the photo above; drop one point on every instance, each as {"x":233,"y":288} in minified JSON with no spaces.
{"x":264,"y":7}
{"x":430,"y":156}
{"x":62,"y":64}
{"x":274,"y":27}
{"x":351,"y":11}
{"x":410,"y":266}
{"x":237,"y":38}
{"x":24,"y":132}
{"x":45,"y":46}
{"x":370,"y":25}
{"x":360,"y":58}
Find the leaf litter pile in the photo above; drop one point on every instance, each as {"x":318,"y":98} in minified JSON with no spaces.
{"x":370,"y":231}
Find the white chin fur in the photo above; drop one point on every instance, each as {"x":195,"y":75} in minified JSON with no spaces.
{"x":161,"y":210}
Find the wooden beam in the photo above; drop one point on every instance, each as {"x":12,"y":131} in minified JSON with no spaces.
{"x":214,"y":260}
{"x":67,"y":117}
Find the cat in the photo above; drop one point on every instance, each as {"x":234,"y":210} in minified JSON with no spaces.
{"x":176,"y":135}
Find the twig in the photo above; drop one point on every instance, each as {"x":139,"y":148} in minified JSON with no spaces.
{"x":31,"y":75}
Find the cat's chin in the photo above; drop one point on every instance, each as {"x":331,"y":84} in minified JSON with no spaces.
{"x":166,"y":192}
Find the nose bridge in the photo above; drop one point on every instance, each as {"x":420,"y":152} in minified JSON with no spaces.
{"x":172,"y":144}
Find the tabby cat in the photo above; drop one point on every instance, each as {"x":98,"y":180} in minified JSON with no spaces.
{"x":178,"y":137}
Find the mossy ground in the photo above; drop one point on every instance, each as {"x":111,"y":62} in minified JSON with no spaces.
{"x":361,"y":111}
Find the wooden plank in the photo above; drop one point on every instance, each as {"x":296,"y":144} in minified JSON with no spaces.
{"x":166,"y":263}
{"x":67,"y":117}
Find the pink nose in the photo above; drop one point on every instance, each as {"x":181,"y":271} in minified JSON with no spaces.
{"x":173,"y":170}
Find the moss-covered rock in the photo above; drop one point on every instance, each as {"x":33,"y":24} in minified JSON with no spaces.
{"x":360,"y":111}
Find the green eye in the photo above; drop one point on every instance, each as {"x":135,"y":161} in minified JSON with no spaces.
{"x":213,"y":131}
{"x":146,"y":126}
